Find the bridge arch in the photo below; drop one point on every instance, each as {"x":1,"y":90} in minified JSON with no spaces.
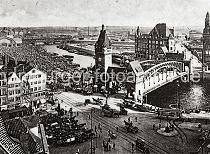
{"x":164,"y":66}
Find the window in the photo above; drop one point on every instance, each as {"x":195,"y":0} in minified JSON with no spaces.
{"x":11,"y":92}
{"x":35,"y":82}
{"x":17,"y":91}
{"x":10,"y":85}
{"x":35,"y":88}
{"x":33,"y":71}
{"x":39,"y":88}
{"x":39,"y":76}
{"x":4,"y":91}
{"x":31,"y":83}
{"x":17,"y":85}
{"x":171,"y":48}
{"x":39,"y":81}
{"x":31,"y":89}
{"x":4,"y":83}
{"x":3,"y":100}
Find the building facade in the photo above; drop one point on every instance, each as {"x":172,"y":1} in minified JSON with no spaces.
{"x":148,"y":46}
{"x":206,"y":42}
{"x":3,"y":87}
{"x":14,"y":89}
{"x":34,"y":84}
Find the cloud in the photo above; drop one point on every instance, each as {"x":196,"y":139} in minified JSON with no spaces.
{"x":96,"y":12}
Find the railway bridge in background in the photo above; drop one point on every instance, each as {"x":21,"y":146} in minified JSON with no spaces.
{"x":47,"y":40}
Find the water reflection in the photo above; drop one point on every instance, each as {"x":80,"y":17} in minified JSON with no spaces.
{"x":191,"y":95}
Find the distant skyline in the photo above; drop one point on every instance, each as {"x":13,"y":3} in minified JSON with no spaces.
{"x":145,"y":13}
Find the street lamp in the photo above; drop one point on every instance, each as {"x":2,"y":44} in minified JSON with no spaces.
{"x":92,"y":149}
{"x":178,"y":96}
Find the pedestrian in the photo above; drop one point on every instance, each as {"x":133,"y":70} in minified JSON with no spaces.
{"x":117,"y":129}
{"x":108,"y":131}
{"x":132,"y":147}
{"x":77,"y":113}
{"x":159,"y":126}
{"x":153,"y":126}
{"x":110,"y":147}
{"x":95,"y":128}
{"x":172,"y":126}
{"x":129,"y":119}
{"x":113,"y":145}
{"x":99,"y":125}
{"x":136,"y":119}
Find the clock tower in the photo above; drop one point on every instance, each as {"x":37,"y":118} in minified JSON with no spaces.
{"x":103,"y":54}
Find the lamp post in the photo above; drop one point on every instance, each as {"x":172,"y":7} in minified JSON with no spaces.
{"x":178,"y":96}
{"x":92,"y":149}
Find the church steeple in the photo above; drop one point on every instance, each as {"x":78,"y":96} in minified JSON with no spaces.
{"x":207,"y":19}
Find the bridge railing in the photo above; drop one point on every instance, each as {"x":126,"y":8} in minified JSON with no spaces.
{"x":168,"y":64}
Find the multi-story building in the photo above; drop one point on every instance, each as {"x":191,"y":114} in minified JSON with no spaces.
{"x":18,"y":86}
{"x":14,"y":89}
{"x":34,"y":83}
{"x":3,"y":86}
{"x":148,"y":46}
{"x":206,"y":41}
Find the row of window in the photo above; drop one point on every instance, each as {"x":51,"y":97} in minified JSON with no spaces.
{"x":35,"y":76}
{"x":35,"y":89}
{"x":37,"y":82}
{"x":13,"y":99}
{"x":13,"y":85}
{"x":12,"y":92}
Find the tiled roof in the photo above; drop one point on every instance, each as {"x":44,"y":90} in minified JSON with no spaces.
{"x":6,"y":142}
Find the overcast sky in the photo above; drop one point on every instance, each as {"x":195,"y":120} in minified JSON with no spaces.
{"x":109,"y":12}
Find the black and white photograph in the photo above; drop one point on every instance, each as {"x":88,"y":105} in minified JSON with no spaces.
{"x":104,"y":77}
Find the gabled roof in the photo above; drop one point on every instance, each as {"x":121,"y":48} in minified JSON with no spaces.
{"x":13,"y":75}
{"x":161,"y":30}
{"x":136,"y":67}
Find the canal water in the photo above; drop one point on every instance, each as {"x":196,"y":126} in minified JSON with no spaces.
{"x":191,"y":95}
{"x":84,"y":61}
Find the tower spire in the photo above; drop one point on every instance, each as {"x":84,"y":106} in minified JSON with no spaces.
{"x":207,"y":19}
{"x":102,"y":27}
